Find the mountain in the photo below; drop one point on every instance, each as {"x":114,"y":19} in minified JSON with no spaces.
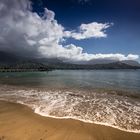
{"x":10,"y":62}
{"x":115,"y":65}
{"x":96,"y":61}
{"x":131,"y":62}
{"x":93,"y":64}
{"x":106,"y":61}
{"x":23,"y":66}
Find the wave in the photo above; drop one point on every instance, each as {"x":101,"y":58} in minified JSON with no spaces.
{"x":90,"y":107}
{"x":85,"y":121}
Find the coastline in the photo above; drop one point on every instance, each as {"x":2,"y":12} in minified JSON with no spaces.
{"x":20,"y":122}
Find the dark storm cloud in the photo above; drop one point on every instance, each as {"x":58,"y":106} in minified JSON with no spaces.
{"x":24,"y":32}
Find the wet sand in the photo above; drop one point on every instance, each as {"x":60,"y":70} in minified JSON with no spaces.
{"x":18,"y":122}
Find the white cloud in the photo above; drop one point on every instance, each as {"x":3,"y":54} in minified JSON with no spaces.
{"x":74,"y":53}
{"x":94,"y":29}
{"x":26,"y":33}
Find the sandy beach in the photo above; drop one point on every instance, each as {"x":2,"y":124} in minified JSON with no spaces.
{"x":18,"y":122}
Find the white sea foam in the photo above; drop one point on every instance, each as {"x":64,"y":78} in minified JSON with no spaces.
{"x":86,"y":121}
{"x":105,"y":109}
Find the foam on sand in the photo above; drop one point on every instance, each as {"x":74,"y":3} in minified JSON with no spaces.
{"x":91,"y":107}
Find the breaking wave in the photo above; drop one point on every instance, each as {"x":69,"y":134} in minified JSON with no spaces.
{"x":121,"y":112}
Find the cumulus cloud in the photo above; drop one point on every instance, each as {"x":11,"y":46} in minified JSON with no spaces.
{"x":94,"y":29}
{"x":75,"y":54}
{"x":26,"y":33}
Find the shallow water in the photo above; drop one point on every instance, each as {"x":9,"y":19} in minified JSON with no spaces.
{"x":115,"y":79}
{"x":105,"y":97}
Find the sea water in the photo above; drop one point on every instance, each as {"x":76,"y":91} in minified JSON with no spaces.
{"x":107,"y":97}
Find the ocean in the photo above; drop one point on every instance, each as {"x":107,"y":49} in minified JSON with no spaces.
{"x":107,"y":97}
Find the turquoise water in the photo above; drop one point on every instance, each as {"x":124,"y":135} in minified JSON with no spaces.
{"x":109,"y":79}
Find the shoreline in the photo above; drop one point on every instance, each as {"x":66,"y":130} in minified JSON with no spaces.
{"x":74,"y":119}
{"x":36,"y":109}
{"x":20,"y":122}
{"x":89,"y":122}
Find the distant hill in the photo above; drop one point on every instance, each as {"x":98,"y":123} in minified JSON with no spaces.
{"x":10,"y":62}
{"x":131,"y":62}
{"x":23,"y":66}
{"x":115,"y":65}
{"x":95,"y":64}
{"x":96,"y":61}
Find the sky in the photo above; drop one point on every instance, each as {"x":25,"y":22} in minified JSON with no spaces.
{"x":73,"y":30}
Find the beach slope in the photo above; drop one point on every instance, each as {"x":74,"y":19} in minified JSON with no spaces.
{"x":18,"y":122}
